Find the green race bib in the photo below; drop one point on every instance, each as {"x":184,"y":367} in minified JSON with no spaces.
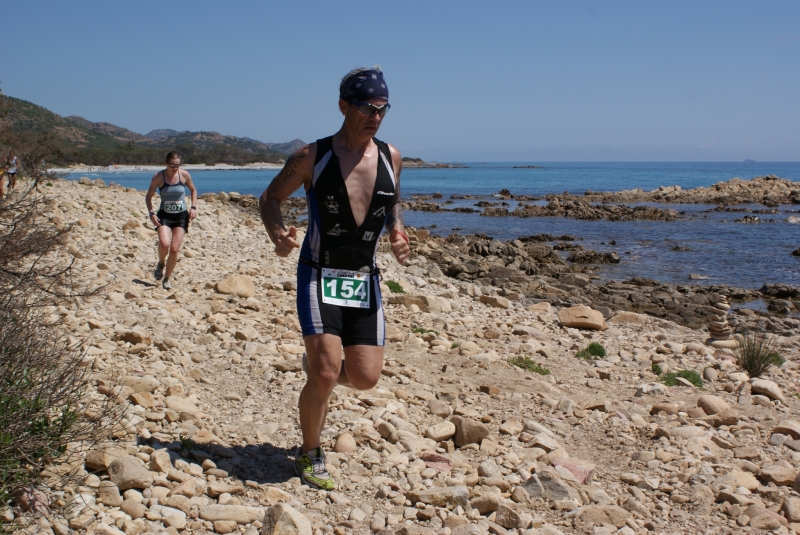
{"x":345,"y":288}
{"x":174,"y":207}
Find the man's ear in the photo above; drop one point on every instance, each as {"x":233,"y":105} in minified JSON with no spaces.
{"x":343,"y":106}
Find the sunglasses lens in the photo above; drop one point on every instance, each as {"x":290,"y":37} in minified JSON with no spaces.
{"x":368,"y":109}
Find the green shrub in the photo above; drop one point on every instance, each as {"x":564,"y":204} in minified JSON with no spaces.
{"x":670,"y":379}
{"x":593,"y":351}
{"x":422,"y":330}
{"x":395,"y":287}
{"x":656,"y":369}
{"x":757,"y":353}
{"x":454,"y":345}
{"x":527,"y":363}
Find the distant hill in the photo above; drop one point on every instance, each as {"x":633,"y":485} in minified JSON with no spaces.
{"x":161,"y":134}
{"x":100,"y":143}
{"x":117,"y":132}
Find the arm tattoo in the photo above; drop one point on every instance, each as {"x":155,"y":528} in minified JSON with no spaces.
{"x":291,"y":164}
{"x":394,"y":219}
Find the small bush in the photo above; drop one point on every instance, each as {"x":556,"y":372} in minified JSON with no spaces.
{"x":757,"y":353}
{"x":527,"y":363}
{"x":454,"y":345}
{"x":656,"y":369}
{"x":670,"y":379}
{"x":395,"y":287}
{"x":593,"y":351}
{"x":422,"y":330}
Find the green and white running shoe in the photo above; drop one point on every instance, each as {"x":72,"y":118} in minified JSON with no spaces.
{"x":166,"y":284}
{"x":311,"y":469}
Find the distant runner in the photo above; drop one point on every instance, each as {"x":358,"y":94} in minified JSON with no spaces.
{"x":11,"y":164}
{"x":172,"y":219}
{"x":352,"y":185}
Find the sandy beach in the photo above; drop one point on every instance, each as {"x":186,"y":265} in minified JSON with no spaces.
{"x":155,"y":168}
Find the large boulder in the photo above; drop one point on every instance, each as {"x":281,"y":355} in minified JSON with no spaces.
{"x":713,"y":404}
{"x":582,"y":317}
{"x":130,"y":473}
{"x":468,"y":431}
{"x":767,"y":388}
{"x":239,"y":285}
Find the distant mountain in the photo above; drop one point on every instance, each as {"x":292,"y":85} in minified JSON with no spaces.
{"x":83,"y":141}
{"x":161,"y":133}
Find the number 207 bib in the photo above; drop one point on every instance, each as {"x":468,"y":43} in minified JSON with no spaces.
{"x":345,"y":288}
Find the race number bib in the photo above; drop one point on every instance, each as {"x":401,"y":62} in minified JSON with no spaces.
{"x":174,"y":207}
{"x":345,"y":288}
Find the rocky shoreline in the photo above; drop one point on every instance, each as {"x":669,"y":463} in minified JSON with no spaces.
{"x":770,"y":191}
{"x":456,"y":439}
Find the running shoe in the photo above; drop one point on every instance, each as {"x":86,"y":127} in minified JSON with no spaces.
{"x":311,"y":469}
{"x":159,"y":272}
{"x":166,"y":284}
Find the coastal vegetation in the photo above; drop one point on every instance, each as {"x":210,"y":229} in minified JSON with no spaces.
{"x":757,"y":353}
{"x":44,"y":411}
{"x":528,"y":364}
{"x":593,"y":351}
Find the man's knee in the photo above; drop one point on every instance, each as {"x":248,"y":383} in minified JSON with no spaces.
{"x":361,"y":380}
{"x":174,"y":248}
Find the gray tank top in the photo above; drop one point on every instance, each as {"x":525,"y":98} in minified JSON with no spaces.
{"x":173,"y":196}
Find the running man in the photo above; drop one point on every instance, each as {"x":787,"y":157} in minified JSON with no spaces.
{"x":172,"y":219}
{"x":352,"y":185}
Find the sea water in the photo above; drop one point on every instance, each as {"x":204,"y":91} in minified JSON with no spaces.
{"x":736,"y":254}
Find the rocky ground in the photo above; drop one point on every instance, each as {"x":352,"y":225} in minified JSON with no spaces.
{"x":453,"y":440}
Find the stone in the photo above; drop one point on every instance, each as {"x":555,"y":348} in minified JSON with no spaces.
{"x":241,"y":514}
{"x":129,"y":473}
{"x":33,"y":500}
{"x":495,"y":301}
{"x":345,"y":443}
{"x":441,"y":431}
{"x":788,"y":427}
{"x":582,"y":471}
{"x":216,"y":488}
{"x":791,"y":509}
{"x":468,"y":431}
{"x":511,"y":427}
{"x":544,"y":441}
{"x":781,"y":473}
{"x":668,"y":408}
{"x":439,"y":408}
{"x":510,"y":518}
{"x":101,"y":457}
{"x":767,"y":388}
{"x":547,"y":485}
{"x":160,"y":461}
{"x":582,"y":317}
{"x":601,"y":515}
{"x":713,"y":404}
{"x":133,"y":508}
{"x":738,"y":478}
{"x":148,"y":383}
{"x":239,"y":285}
{"x":182,"y":405}
{"x":108,"y":494}
{"x":440,"y":496}
{"x":486,"y":502}
{"x":688,"y":431}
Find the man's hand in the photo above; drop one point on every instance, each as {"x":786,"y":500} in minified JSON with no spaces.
{"x":285,"y":242}
{"x":154,"y":219}
{"x":400,"y":246}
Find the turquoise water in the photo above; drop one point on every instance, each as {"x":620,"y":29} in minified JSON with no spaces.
{"x":744,"y":255}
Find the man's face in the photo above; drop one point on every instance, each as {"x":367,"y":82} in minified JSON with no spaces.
{"x":364,"y":118}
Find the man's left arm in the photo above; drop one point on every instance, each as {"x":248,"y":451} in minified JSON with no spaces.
{"x":394,"y":219}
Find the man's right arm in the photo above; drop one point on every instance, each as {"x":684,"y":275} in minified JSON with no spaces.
{"x":297,"y":171}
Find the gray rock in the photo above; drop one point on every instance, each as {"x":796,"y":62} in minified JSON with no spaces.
{"x":547,"y":485}
{"x":130,"y":473}
{"x":283,"y":519}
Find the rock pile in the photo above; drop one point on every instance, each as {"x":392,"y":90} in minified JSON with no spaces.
{"x":718,"y":326}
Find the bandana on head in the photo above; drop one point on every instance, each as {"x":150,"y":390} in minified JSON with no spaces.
{"x":364,"y":86}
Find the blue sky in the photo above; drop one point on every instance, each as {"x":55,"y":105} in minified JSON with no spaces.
{"x":468,"y":80}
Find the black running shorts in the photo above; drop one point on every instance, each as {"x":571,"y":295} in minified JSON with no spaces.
{"x":355,"y":326}
{"x":179,"y":220}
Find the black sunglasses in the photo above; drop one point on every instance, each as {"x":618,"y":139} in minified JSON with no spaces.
{"x":365,"y":108}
